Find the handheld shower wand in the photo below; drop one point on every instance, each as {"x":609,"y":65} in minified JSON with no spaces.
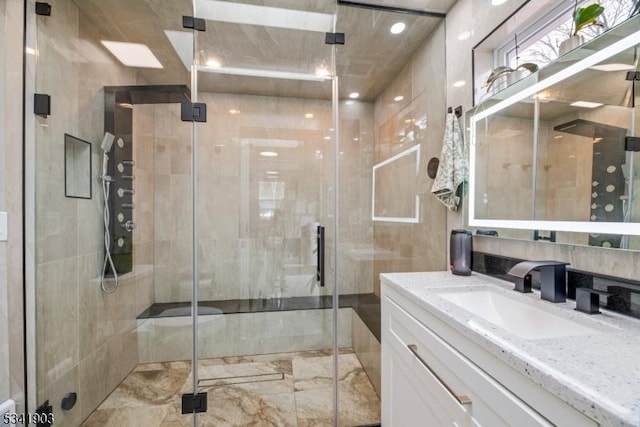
{"x":107,"y":142}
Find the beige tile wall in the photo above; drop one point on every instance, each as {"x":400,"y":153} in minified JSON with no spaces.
{"x":5,"y":392}
{"x":170,"y":338}
{"x":367,"y":348}
{"x":417,"y":119}
{"x":244,"y":255}
{"x":85,"y":339}
{"x":11,"y":313}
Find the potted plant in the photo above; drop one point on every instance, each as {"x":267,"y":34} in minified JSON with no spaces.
{"x":583,"y":17}
{"x":513,"y":74}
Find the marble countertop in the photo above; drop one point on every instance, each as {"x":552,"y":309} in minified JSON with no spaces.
{"x":597,"y":374}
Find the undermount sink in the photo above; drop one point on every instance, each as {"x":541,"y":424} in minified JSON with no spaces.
{"x":520,"y":317}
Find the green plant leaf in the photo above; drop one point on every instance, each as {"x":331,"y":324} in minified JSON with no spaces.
{"x":529,"y":66}
{"x":585,"y":16}
{"x":503,"y":70}
{"x":497,"y":72}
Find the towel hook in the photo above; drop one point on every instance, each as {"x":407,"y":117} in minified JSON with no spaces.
{"x":458,"y":110}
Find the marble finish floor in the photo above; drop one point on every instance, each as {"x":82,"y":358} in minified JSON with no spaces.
{"x":296,"y":390}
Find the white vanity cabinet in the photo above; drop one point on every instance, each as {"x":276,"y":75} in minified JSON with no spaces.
{"x":427,"y":381}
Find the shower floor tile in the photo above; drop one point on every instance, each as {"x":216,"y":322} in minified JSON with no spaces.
{"x":283,"y":389}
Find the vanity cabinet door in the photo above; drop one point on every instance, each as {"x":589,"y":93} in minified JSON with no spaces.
{"x":412,"y":395}
{"x":419,"y":366}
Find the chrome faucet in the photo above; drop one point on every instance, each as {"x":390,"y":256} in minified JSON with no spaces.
{"x":553,"y":278}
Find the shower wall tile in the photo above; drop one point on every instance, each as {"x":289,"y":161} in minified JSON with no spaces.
{"x":612,"y":262}
{"x":144,"y":292}
{"x":169,"y":338}
{"x":368,"y":350}
{"x":11,"y":277}
{"x":56,"y":391}
{"x":57,"y":328}
{"x":5,"y":391}
{"x":93,"y":384}
{"x":102,"y":370}
{"x":88,"y":221}
{"x":241,"y":253}
{"x":417,"y":119}
{"x":76,"y":321}
{"x":106,"y":316}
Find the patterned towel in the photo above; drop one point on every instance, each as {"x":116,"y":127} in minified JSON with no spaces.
{"x":453,"y":169}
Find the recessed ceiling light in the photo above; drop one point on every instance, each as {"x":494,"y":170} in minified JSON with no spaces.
{"x":268,"y":153}
{"x":318,"y":152}
{"x":327,"y":138}
{"x":322,"y":71}
{"x":459,"y":83}
{"x":557,"y":137}
{"x":234,"y":111}
{"x":213,"y":63}
{"x":342,"y":152}
{"x":464,"y":35}
{"x":497,"y":2}
{"x":309,"y":115}
{"x":586,"y":104}
{"x":613,"y":67}
{"x":398,"y":98}
{"x":542,"y":96}
{"x":133,"y":54}
{"x":273,"y":173}
{"x":356,"y":139}
{"x":398,"y":27}
{"x":354,"y":95}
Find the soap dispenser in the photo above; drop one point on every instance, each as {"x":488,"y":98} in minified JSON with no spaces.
{"x":460,"y":252}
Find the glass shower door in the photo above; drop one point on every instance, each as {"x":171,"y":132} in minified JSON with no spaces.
{"x":265,"y":213}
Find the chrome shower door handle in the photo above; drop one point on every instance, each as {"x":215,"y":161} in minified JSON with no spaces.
{"x":320,"y":254}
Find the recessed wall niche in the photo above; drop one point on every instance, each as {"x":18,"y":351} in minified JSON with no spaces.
{"x":77,"y":167}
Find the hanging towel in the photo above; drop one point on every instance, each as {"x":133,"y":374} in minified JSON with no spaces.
{"x":453,"y":170}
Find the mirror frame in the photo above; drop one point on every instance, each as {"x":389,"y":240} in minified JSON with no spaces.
{"x":624,"y":228}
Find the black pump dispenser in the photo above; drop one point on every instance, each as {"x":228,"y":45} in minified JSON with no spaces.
{"x":460,"y":249}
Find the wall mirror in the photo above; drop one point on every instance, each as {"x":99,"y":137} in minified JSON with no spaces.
{"x":77,"y":167}
{"x":556,"y":153}
{"x":395,"y":195}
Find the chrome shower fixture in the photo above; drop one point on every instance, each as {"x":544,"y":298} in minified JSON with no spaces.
{"x":107,"y":142}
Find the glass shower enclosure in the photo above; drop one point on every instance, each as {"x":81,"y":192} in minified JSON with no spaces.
{"x":265,"y":210}
{"x":185,"y":196}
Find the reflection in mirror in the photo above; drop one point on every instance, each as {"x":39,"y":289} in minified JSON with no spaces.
{"x":504,"y":163}
{"x":77,"y":167}
{"x":553,"y":161}
{"x":395,"y":197}
{"x":583,"y":169}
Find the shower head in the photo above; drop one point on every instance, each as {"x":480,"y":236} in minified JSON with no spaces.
{"x":107,"y":142}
